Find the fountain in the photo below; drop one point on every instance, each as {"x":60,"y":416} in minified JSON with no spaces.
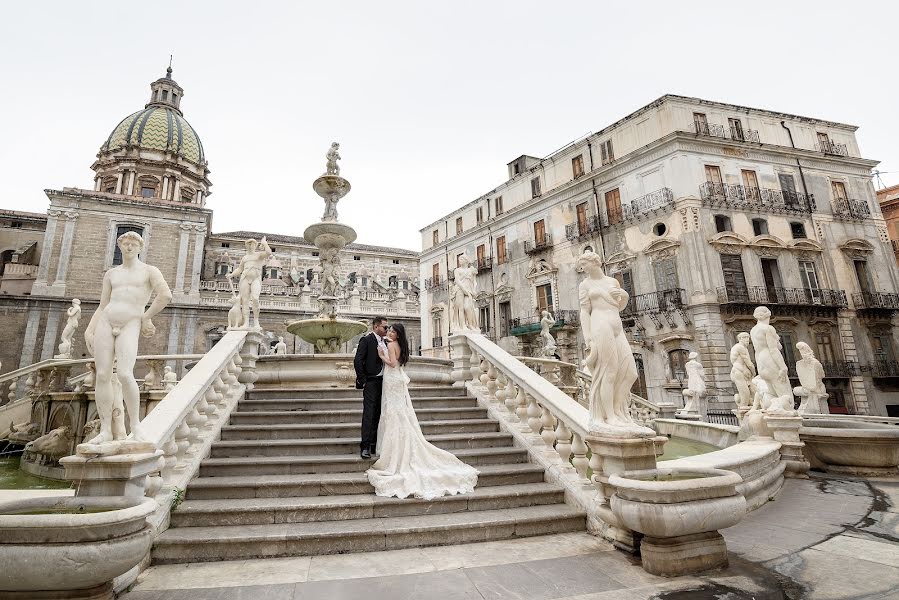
{"x":327,"y":331}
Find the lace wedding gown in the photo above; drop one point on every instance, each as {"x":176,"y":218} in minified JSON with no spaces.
{"x":408,"y":464}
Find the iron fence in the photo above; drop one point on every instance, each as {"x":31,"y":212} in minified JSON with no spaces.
{"x":721,"y":416}
{"x":846,"y":208}
{"x":753,"y":198}
{"x":782,"y":296}
{"x":538,"y":245}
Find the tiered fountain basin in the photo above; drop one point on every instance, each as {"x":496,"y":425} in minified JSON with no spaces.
{"x":851,"y":447}
{"x":71,"y":547}
{"x":679,"y":512}
{"x":325,"y":333}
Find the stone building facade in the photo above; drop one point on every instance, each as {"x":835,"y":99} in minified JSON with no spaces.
{"x":702,"y":210}
{"x":888,"y":199}
{"x":151,"y":176}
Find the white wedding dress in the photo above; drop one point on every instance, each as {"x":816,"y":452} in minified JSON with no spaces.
{"x":409,"y":465}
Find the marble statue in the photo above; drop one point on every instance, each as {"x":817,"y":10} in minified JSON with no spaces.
{"x":742,"y":371}
{"x":609,"y":356}
{"x":169,"y":379}
{"x":770,"y":362}
{"x":280,"y":347}
{"x":811,"y":385}
{"x":331,"y":166}
{"x":65,"y":344}
{"x":250,"y":284}
{"x":330,"y":259}
{"x":112,"y":338}
{"x":463,"y":310}
{"x":235,"y":317}
{"x":547,"y":320}
{"x":695,"y":385}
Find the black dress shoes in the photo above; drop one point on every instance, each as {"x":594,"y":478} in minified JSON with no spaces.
{"x":366,"y":453}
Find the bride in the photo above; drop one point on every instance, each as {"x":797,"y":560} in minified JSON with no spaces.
{"x":408,"y":464}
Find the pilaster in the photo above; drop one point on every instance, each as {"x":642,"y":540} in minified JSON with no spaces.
{"x":199,"y":246}
{"x":62,"y":265}
{"x":43,"y":271}
{"x":49,"y":346}
{"x":182,"y":259}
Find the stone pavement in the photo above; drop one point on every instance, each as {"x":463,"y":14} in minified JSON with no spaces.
{"x":821,"y":538}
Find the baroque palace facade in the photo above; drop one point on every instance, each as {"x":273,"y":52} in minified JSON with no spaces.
{"x":152,"y":176}
{"x":702,"y":211}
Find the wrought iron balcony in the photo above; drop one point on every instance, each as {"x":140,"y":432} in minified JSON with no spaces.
{"x":437,"y":342}
{"x":841,"y":369}
{"x":756,"y":199}
{"x":783,"y":296}
{"x":538,"y":245}
{"x":648,"y":204}
{"x":884,"y":368}
{"x":526,"y":325}
{"x":832,"y":148}
{"x":744,"y":135}
{"x":709,"y":129}
{"x":846,"y":208}
{"x":581,"y":230}
{"x":434,"y":284}
{"x":485,"y":264}
{"x":661,"y":301}
{"x":876,"y":301}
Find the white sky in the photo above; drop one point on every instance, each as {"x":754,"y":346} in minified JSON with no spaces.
{"x":429,"y":100}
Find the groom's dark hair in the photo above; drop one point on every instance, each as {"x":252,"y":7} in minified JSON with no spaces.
{"x":377,"y":320}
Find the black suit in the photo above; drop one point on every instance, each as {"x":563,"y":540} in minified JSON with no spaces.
{"x":368,"y":366}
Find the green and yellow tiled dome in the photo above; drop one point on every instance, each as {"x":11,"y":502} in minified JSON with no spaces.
{"x":157,"y":128}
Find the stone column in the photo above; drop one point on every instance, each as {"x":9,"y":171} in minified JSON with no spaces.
{"x":785,"y":429}
{"x":177,"y":194}
{"x":46,"y":251}
{"x":165,"y":187}
{"x":65,"y":251}
{"x":49,"y":346}
{"x":182,"y":258}
{"x":199,"y":248}
{"x":118,"y":182}
{"x":131,"y":176}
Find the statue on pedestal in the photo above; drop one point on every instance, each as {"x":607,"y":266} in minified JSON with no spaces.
{"x":330,"y":259}
{"x":547,"y":320}
{"x":112,"y":338}
{"x":74,"y":315}
{"x":695,"y":385}
{"x":235,"y":317}
{"x":331,"y":166}
{"x":609,"y":359}
{"x":250,"y":285}
{"x":280,"y":347}
{"x":169,"y":379}
{"x":463,"y":310}
{"x":742,"y":371}
{"x":770,"y":362}
{"x":811,"y":389}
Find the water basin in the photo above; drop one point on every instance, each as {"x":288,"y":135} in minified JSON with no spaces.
{"x":13,"y":478}
{"x":678,"y":447}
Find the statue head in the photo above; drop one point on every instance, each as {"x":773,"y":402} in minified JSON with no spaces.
{"x":692,"y":356}
{"x":464,"y":261}
{"x":761,"y":314}
{"x":335,"y":146}
{"x":280,"y":338}
{"x":76,"y":302}
{"x":805,"y":350}
{"x":130,"y":243}
{"x":167,"y":369}
{"x":251,"y":245}
{"x":588,"y":261}
{"x":743,"y":338}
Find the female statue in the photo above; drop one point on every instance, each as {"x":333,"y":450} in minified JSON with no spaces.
{"x":609,"y":356}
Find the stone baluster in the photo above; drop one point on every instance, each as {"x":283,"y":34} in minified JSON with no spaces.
{"x":548,"y":423}
{"x":579,"y":461}
{"x":222,"y":391}
{"x":491,"y":382}
{"x":170,"y":458}
{"x":13,"y":384}
{"x":206,"y":409}
{"x":534,"y":414}
{"x":563,"y":442}
{"x":475,"y":367}
{"x":500,"y":393}
{"x":511,"y":396}
{"x":521,"y":410}
{"x":248,"y":354}
{"x":195,"y":422}
{"x":182,"y":439}
{"x":30,"y":383}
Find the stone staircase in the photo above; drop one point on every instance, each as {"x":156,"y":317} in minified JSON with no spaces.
{"x":286,"y":480}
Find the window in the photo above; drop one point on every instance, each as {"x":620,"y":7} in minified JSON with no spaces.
{"x":16,"y":224}
{"x":788,"y":187}
{"x":659,"y":229}
{"x":5,"y":259}
{"x":750,"y":180}
{"x":666,"y":274}
{"x":613,"y":206}
{"x":458,"y":225}
{"x":863,"y":276}
{"x":713,"y":174}
{"x":736,"y":130}
{"x":315,"y":254}
{"x":797,"y":230}
{"x":223,"y":268}
{"x":435,"y":273}
{"x":639,"y":387}
{"x":459,"y":259}
{"x":309,"y":275}
{"x":759,"y":226}
{"x":479,"y":215}
{"x":839,"y":190}
{"x":498,"y":205}
{"x":147,"y":192}
{"x":701,"y":122}
{"x":354,"y":258}
{"x":626,"y":281}
{"x":226,"y":244}
{"x":396,"y":261}
{"x":539,"y":233}
{"x":391,"y":281}
{"x":577,"y":165}
{"x":824,"y":140}
{"x":788,"y":342}
{"x":505,"y":318}
{"x":825,"y":347}
{"x":882,"y":344}
{"x":734,"y":279}
{"x":484,"y":319}
{"x":581,"y":211}
{"x":437,"y":324}
{"x":677,"y":360}
{"x":544,"y":297}
{"x":771,"y":275}
{"x":535,"y":187}
{"x":120,"y":231}
{"x":165,"y":95}
{"x":435,"y":236}
{"x":606,"y":153}
{"x":501,"y":250}
{"x":809,"y":276}
{"x":481,"y":252}
{"x":110,"y":189}
{"x":722,"y":223}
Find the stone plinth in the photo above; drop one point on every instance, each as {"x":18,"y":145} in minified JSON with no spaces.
{"x":113,"y":475}
{"x":785,"y":429}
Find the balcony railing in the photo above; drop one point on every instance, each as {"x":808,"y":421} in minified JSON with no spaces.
{"x":644,"y":205}
{"x":744,"y":135}
{"x":656,"y":302}
{"x":581,"y":230}
{"x":485,"y":264}
{"x":846,"y":208}
{"x":525,"y":325}
{"x":709,"y":129}
{"x":756,"y":199}
{"x":884,"y":368}
{"x":840,"y":369}
{"x":538,"y":245}
{"x":783,"y":296}
{"x":832,"y":148}
{"x":433,"y":284}
{"x":437,"y":342}
{"x":875,"y":301}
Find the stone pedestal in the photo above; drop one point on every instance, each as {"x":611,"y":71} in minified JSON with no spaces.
{"x":785,"y":429}
{"x":613,"y":456}
{"x":683,"y":555}
{"x":113,"y":475}
{"x":740,"y":412}
{"x":249,"y":352}
{"x":667,"y":411}
{"x":460,"y":353}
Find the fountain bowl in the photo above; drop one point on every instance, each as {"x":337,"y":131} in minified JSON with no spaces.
{"x":46,"y":542}
{"x":330,"y":234}
{"x":851,"y":447}
{"x":327,"y":334}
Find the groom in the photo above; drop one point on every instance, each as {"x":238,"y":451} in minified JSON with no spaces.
{"x":369,"y":375}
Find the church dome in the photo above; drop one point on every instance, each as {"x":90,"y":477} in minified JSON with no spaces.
{"x":157,"y":128}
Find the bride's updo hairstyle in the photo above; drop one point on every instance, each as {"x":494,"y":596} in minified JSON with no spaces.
{"x":402,"y":341}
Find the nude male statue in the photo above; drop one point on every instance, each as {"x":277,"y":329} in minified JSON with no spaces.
{"x":743,"y":370}
{"x":250,"y":285}
{"x":113,"y":332}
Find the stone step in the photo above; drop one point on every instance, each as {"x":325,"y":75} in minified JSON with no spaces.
{"x":347,"y":445}
{"x":204,"y":544}
{"x":283,"y":417}
{"x":349,"y":403}
{"x":326,"y":484}
{"x":346,"y":430}
{"x":260,"y":511}
{"x":284,"y":391}
{"x":350,"y":463}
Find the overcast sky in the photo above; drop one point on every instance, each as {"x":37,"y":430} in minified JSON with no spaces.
{"x":429,"y":100}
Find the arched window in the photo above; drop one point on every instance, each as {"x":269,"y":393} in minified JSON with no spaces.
{"x":351,"y":278}
{"x":5,"y":259}
{"x":677,"y":359}
{"x":391,"y":281}
{"x":308,"y":275}
{"x":120,"y":231}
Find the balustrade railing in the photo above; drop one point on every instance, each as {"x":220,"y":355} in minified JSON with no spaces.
{"x":563,"y":317}
{"x":840,"y":369}
{"x":708,"y":129}
{"x":581,"y":230}
{"x":847,"y":208}
{"x":782,"y":296}
{"x":876,"y":301}
{"x":485,"y":264}
{"x":884,"y":368}
{"x":538,"y":244}
{"x":744,"y":135}
{"x":753,"y":198}
{"x":832,"y":148}
{"x":437,"y":342}
{"x":648,"y":203}
{"x":661,"y":301}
